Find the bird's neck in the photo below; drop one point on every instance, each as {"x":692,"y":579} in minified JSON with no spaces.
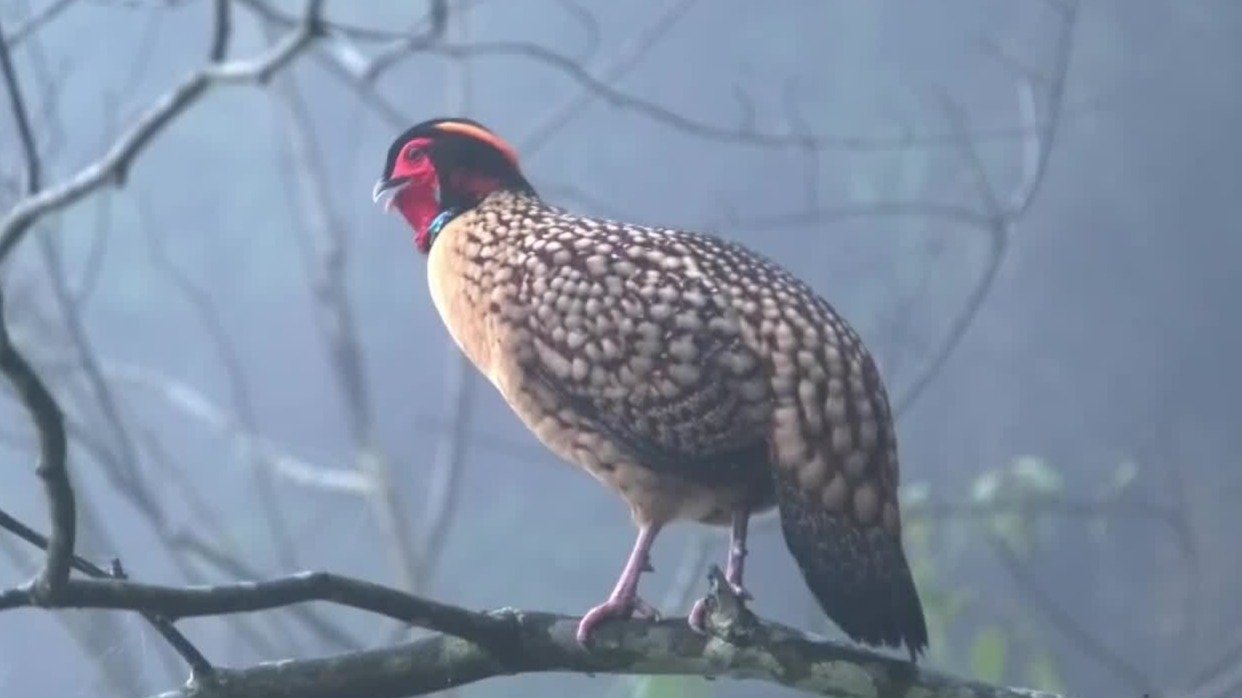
{"x":495,"y":201}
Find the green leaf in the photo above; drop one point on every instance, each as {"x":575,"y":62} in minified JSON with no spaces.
{"x":988,"y":655}
{"x":672,"y":687}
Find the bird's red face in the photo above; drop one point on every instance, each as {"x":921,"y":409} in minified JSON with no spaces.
{"x":414,"y":189}
{"x":444,"y":167}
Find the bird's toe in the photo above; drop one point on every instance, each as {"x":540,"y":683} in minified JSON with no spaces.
{"x":698,"y":615}
{"x":633,"y":607}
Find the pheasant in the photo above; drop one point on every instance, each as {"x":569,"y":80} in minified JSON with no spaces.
{"x":698,"y":379}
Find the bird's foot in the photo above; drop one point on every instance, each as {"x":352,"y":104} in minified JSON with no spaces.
{"x":728,"y":594}
{"x":698,"y":615}
{"x":620,"y":608}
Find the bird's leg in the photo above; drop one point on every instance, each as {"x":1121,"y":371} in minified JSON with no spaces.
{"x":733,"y":571}
{"x":737,"y":553}
{"x":623,"y":602}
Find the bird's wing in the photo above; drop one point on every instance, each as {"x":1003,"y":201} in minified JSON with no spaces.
{"x":631,"y":336}
{"x":834,"y":459}
{"x":687,"y":350}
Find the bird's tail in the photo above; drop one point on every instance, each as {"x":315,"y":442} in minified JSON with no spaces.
{"x":859,"y":575}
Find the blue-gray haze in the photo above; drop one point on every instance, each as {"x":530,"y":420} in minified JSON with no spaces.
{"x":1098,"y":378}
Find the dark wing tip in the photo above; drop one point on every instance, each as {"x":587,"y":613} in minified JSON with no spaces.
{"x":859,"y":575}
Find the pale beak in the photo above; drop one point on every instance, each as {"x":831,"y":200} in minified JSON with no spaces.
{"x":388,"y":189}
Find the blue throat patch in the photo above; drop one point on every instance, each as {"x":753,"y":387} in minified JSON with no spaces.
{"x":441,"y":220}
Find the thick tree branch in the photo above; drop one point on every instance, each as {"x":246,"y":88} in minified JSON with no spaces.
{"x":517,"y":642}
{"x":39,"y":403}
{"x":53,"y":579}
{"x":50,"y":423}
{"x":475,"y":646}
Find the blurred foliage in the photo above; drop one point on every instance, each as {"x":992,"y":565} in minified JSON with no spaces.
{"x":671,"y":687}
{"x":1007,"y":505}
{"x":1013,"y":491}
{"x":988,"y":654}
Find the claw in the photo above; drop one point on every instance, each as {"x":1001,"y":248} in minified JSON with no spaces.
{"x":614,"y":608}
{"x":698,"y":615}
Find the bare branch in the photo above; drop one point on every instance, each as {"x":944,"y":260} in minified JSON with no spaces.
{"x":245,"y":597}
{"x":35,"y":23}
{"x":388,"y":57}
{"x":198,"y":663}
{"x":444,"y":487}
{"x":875,"y":209}
{"x":997,"y":243}
{"x":44,"y":411}
{"x":222,"y":30}
{"x":589,"y":23}
{"x":652,"y":110}
{"x":36,"y":399}
{"x":546,"y":645}
{"x":243,"y":404}
{"x":49,"y":421}
{"x":22,"y":118}
{"x":287,"y":19}
{"x":628,"y":58}
{"x":509,"y":642}
{"x":1002,"y":222}
{"x":191,"y":402}
{"x":1033,"y":593}
{"x":325,"y":259}
{"x":111,"y":168}
{"x":515,"y":642}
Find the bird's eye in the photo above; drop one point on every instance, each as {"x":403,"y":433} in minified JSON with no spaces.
{"x":415,"y":155}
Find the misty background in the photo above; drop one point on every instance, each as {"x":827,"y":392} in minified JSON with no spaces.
{"x":256,"y":381}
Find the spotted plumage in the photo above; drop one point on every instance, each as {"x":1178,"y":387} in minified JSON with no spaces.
{"x":695,"y":377}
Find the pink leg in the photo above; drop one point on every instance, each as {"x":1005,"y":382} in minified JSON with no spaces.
{"x":737,"y":554}
{"x":623,"y":602}
{"x":733,"y":571}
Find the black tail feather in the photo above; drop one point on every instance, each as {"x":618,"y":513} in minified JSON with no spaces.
{"x":859,"y":575}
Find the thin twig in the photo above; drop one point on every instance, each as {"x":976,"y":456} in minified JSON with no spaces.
{"x":325,"y":259}
{"x":111,"y":168}
{"x":193,"y":403}
{"x":1038,"y":142}
{"x":286,"y":19}
{"x":1034,"y":593}
{"x":387,"y":57}
{"x":222,"y":31}
{"x":197,"y":662}
{"x":243,"y":404}
{"x":627,"y":59}
{"x":35,"y":22}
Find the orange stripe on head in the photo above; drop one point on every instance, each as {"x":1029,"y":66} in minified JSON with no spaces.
{"x":480,"y":134}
